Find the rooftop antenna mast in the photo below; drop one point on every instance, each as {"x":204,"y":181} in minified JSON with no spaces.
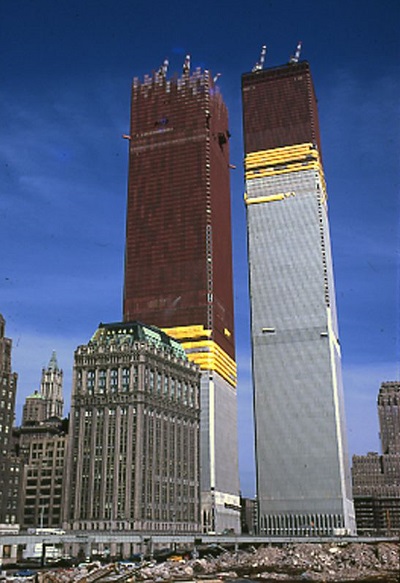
{"x":260,"y":65}
{"x":296,"y":57}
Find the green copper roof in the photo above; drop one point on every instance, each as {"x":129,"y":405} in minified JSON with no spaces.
{"x":130,"y":332}
{"x":36,"y":395}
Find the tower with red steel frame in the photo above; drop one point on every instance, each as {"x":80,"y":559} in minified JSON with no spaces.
{"x":178,"y":256}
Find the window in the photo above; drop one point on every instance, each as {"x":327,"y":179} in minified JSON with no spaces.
{"x":114,"y":379}
{"x":90,"y":379}
{"x":151,"y":380}
{"x":125,"y":378}
{"x":102,"y":380}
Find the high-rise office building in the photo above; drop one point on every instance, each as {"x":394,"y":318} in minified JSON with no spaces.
{"x":178,"y":258}
{"x":303,"y":474}
{"x":34,"y":409}
{"x":133,"y":450}
{"x":9,"y":465}
{"x":40,"y":443}
{"x":389,"y":417}
{"x":376,"y":478}
{"x":42,"y":481}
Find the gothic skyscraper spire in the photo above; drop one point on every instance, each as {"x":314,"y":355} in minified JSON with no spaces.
{"x":51,"y":388}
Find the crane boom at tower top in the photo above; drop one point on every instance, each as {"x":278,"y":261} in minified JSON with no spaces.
{"x":260,"y":64}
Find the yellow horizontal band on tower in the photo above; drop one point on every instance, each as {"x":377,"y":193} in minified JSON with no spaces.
{"x":275,"y":156}
{"x":294,"y":167}
{"x":269,"y":198}
{"x":284,"y":160}
{"x":181,"y":332}
{"x":209,"y":346}
{"x":204,"y":352}
{"x":209,"y":356}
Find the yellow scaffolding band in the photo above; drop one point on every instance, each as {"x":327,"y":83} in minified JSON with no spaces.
{"x":269,"y":198}
{"x":209,"y":356}
{"x":284,"y":160}
{"x":288,"y":167}
{"x":189,"y":332}
{"x":275,"y":156}
{"x":203,"y":351}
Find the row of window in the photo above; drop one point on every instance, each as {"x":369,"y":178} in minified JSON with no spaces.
{"x":115,"y":379}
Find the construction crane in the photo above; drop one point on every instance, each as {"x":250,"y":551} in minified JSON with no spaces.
{"x":186,"y":65}
{"x":162,"y":71}
{"x":258,"y":66}
{"x":296,"y":57}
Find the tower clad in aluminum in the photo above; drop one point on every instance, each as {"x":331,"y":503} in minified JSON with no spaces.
{"x":303,"y":478}
{"x":178,"y":256}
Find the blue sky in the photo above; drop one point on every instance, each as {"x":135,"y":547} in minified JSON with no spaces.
{"x":66,"y":69}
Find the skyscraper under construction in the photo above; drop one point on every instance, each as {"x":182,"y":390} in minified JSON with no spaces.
{"x":178,"y":257}
{"x":303,"y":478}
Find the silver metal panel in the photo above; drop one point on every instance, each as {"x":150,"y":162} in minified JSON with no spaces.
{"x":220,"y":494}
{"x":302,"y":462}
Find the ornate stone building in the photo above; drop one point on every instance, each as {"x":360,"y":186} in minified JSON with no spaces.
{"x":133,"y":452}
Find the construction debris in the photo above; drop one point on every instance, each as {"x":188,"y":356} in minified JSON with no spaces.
{"x":327,"y":562}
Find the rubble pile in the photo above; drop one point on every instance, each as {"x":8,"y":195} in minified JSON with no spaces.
{"x":327,"y":562}
{"x":317,"y":562}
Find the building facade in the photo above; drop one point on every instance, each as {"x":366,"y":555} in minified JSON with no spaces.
{"x":42,"y":480}
{"x":303,"y":474}
{"x":178,"y":257}
{"x":376,"y":487}
{"x":249,"y":520}
{"x":133,"y":452}
{"x":389,"y":417}
{"x":9,"y":465}
{"x":35,"y":409}
{"x":376,"y":478}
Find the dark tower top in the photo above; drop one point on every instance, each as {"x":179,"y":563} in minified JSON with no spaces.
{"x":389,"y":417}
{"x":279,"y":108}
{"x":178,"y":256}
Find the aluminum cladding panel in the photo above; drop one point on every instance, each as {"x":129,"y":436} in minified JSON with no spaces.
{"x":219,"y":449}
{"x":296,"y":425}
{"x":286,"y":266}
{"x":226,"y":448}
{"x":300,"y":183}
{"x":296,"y":444}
